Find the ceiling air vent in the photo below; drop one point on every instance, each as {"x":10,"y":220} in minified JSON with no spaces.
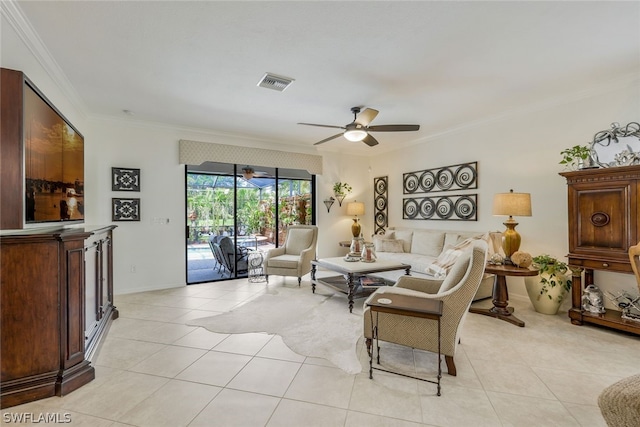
{"x":275,"y":82}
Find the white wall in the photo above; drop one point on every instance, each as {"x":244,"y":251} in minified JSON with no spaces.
{"x":520,"y":152}
{"x":150,"y":254}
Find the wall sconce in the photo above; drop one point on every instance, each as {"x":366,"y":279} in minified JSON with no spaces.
{"x":329,"y":202}
{"x":518,"y":204}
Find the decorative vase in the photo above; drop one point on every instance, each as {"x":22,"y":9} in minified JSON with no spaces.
{"x":546,"y":299}
{"x":368,"y":253}
{"x":356,"y":246}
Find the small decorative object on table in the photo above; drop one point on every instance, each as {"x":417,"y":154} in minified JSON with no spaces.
{"x":356,"y":246}
{"x":592,"y":300}
{"x":496,"y":259}
{"x":368,"y":253}
{"x":521,"y":259}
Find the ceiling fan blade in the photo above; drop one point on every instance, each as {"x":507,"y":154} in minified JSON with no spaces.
{"x":322,"y":126}
{"x":366,"y":116}
{"x":328,"y":139}
{"x":393,"y":128}
{"x":370,"y":141}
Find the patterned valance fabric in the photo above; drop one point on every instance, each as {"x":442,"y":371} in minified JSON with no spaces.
{"x":196,"y":153}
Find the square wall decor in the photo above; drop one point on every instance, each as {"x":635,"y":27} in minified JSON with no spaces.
{"x":124,"y":179}
{"x":125,"y":210}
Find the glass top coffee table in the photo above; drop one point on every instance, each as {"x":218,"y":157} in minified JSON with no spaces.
{"x":350,"y":273}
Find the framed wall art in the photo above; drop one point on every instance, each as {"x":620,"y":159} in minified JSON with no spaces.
{"x":125,"y":179}
{"x":463,"y":176}
{"x":380,"y":186}
{"x":461,"y":207}
{"x":125,"y":209}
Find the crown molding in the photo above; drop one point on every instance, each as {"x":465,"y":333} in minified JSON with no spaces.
{"x":25,"y":31}
{"x":614,"y":84}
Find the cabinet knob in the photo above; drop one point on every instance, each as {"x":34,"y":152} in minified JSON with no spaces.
{"x":604,"y":264}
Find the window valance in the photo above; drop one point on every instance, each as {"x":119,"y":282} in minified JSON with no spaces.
{"x":195,"y":153}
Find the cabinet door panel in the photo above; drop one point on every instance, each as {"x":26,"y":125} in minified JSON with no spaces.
{"x":603,"y":219}
{"x":91,"y":307}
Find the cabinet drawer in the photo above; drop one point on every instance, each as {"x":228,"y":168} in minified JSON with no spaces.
{"x":615,"y":266}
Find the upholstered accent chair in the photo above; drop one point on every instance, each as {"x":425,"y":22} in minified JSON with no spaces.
{"x":295,"y":256}
{"x":456,"y":291}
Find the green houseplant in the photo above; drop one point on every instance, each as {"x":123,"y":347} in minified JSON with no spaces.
{"x":576,"y":157}
{"x":547,"y":290}
{"x":340,"y":190}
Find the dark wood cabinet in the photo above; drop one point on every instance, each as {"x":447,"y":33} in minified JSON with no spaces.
{"x":43,"y":327}
{"x":603,"y":223}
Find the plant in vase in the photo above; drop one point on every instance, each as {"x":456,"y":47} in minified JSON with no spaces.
{"x":576,"y":157}
{"x":547,"y":290}
{"x":340,"y":190}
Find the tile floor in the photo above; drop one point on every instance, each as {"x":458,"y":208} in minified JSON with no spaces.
{"x":154,"y":370}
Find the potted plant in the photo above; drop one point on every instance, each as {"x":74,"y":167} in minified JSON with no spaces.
{"x":548,"y":289}
{"x":576,"y":157}
{"x":340,"y":190}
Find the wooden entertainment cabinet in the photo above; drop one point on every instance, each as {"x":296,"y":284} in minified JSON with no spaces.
{"x":56,"y":303}
{"x":56,"y":282}
{"x":604,"y":222}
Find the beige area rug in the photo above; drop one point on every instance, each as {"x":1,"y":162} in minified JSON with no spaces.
{"x":314,"y":325}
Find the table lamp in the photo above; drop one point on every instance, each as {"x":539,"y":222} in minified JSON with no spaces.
{"x":510,"y":204}
{"x":355,"y":208}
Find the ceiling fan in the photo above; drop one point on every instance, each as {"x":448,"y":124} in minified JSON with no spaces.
{"x":359,"y":129}
{"x":248,"y":172}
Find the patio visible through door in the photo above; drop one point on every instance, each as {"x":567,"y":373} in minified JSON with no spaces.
{"x":231,"y":213}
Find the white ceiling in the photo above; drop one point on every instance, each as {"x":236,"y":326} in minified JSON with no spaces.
{"x":442,"y":65}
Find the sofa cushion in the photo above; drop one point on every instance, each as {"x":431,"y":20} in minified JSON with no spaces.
{"x":390,"y":245}
{"x":418,"y":263}
{"x":378,"y":238}
{"x":427,"y":242}
{"x":405,"y":236}
{"x":284,"y":261}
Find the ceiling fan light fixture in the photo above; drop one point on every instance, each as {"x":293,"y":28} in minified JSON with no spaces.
{"x":247,"y":173}
{"x":355,"y":135}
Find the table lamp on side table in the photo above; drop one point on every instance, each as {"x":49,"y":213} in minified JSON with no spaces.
{"x":510,"y":204}
{"x":355,"y":208}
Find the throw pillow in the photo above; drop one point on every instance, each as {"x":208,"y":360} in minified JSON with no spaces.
{"x":390,"y":245}
{"x":378,"y":238}
{"x":441,"y":266}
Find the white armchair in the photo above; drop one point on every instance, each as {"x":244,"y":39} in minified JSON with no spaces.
{"x":456,"y":291}
{"x":295,"y":256}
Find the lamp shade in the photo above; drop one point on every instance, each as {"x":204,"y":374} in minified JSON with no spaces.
{"x":512,"y":204}
{"x":355,"y":208}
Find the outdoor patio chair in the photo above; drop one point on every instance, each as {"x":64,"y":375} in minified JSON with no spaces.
{"x":233,"y":256}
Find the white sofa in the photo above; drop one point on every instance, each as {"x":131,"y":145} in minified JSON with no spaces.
{"x":421,"y":247}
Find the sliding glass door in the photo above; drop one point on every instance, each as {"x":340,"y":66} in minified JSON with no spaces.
{"x":231,"y":213}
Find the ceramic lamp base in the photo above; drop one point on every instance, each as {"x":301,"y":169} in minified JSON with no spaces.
{"x":356,"y":228}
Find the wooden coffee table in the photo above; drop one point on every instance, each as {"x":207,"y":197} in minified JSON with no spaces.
{"x":350,"y":272}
